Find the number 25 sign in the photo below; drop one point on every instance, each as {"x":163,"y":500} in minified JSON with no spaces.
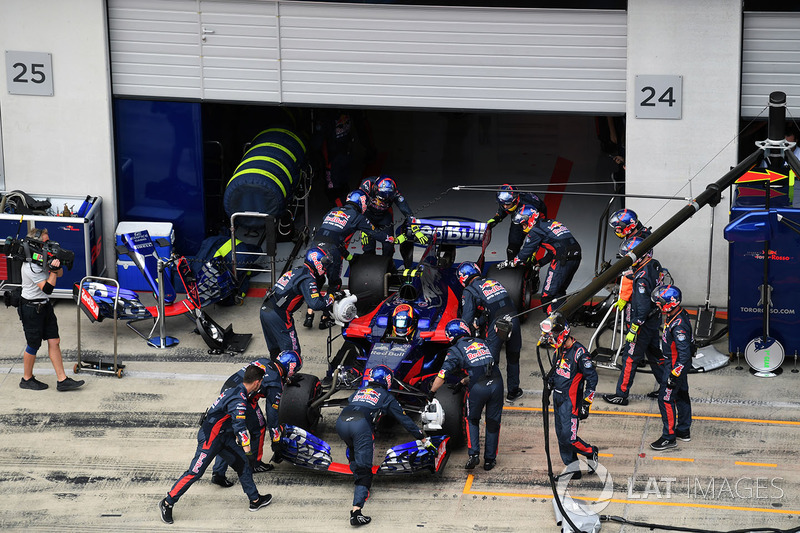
{"x":29,"y":73}
{"x":658,"y":96}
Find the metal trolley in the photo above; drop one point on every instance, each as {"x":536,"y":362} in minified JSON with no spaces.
{"x":98,"y":365}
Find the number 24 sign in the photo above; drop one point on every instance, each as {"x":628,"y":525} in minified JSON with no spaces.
{"x":658,"y":96}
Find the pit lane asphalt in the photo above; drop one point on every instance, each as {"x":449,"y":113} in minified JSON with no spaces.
{"x":100,"y":458}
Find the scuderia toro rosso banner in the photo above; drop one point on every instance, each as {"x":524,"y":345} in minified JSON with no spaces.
{"x":459,"y":232}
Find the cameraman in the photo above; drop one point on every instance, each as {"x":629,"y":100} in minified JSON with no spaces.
{"x":38,"y":319}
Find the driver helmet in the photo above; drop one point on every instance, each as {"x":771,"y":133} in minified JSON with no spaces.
{"x":466,"y":272}
{"x":359,"y":199}
{"x":289,"y":362}
{"x":403,"y":320}
{"x":624,"y":222}
{"x":666,"y":297}
{"x":629,"y":244}
{"x":555,"y":330}
{"x":381,"y":375}
{"x":526,"y":217}
{"x":508,"y":197}
{"x":456,"y":329}
{"x":318,"y":260}
{"x":383,"y":193}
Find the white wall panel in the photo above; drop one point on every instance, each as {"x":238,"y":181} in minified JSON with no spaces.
{"x":453,"y":57}
{"x":770,"y":61}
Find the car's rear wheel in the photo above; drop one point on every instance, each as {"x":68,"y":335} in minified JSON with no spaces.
{"x":454,"y":423}
{"x":296,"y":399}
{"x":367,"y":280}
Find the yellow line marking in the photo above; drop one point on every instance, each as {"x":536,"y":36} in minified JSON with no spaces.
{"x":743,"y":463}
{"x":684,"y":459}
{"x":605,"y":455}
{"x":658,"y":415}
{"x":470,"y":477}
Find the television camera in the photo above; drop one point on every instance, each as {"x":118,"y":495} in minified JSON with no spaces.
{"x":38,"y":252}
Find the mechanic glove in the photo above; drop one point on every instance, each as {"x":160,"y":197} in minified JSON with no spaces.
{"x":457,"y":387}
{"x":364,"y":239}
{"x":631,"y":335}
{"x":421,"y":237}
{"x":430,"y":395}
{"x":400,"y":239}
{"x":672,"y":380}
{"x":491,"y":223}
{"x":621,"y":304}
{"x":349,"y":257}
{"x":251,"y":458}
{"x":583,"y":413}
{"x":428,"y":444}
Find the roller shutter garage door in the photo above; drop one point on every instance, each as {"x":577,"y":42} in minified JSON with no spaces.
{"x":770,"y":61}
{"x":308,"y":53}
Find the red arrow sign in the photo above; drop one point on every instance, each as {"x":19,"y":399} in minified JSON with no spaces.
{"x":761,"y":176}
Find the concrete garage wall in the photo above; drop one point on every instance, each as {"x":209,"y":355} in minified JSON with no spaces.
{"x":700,"y":41}
{"x":61,"y":144}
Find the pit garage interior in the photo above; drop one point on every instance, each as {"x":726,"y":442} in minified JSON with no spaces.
{"x":103,"y":457}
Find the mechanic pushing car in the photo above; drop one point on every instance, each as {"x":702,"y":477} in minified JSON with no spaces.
{"x":677,"y":345}
{"x":562,"y":251}
{"x":573,"y":380}
{"x":287,"y":295}
{"x":642,"y":322}
{"x":356,"y":426}
{"x":336,"y":230}
{"x":276,"y":374}
{"x":484,"y":389}
{"x":626,"y":224}
{"x":382,"y":192}
{"x":223,"y":431}
{"x":490,"y":299}
{"x":509,"y":200}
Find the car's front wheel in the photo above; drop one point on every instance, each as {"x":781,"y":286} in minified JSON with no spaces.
{"x":295,"y":407}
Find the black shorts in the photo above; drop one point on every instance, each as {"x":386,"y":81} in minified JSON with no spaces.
{"x":39,"y":323}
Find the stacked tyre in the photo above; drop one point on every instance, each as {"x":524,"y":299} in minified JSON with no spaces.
{"x":268,"y":175}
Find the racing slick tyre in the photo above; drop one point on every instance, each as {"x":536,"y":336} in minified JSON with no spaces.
{"x":367,"y":280}
{"x":454,"y":423}
{"x":521,"y":283}
{"x":295,"y":401}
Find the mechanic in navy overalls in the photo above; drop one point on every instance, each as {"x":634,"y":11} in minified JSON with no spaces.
{"x":642,"y":321}
{"x":490,"y":297}
{"x":288,"y":294}
{"x":626,"y":224}
{"x":223,"y":432}
{"x":677,"y":345}
{"x":563,"y":252}
{"x":356,"y":426}
{"x":336,"y":229}
{"x":573,"y":380}
{"x":276,"y":374}
{"x":508,"y":202}
{"x":484,"y":388}
{"x":382,"y":192}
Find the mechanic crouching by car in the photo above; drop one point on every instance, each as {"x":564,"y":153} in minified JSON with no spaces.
{"x":356,"y":426}
{"x":276,"y":374}
{"x":223,"y":431}
{"x":338,"y":226}
{"x":484,"y":389}
{"x":573,"y":380}
{"x":287,"y":295}
{"x":509,"y":200}
{"x":486,"y":296}
{"x":562,"y":251}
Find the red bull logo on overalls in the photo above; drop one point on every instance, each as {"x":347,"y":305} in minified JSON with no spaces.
{"x":491,"y":287}
{"x":370,"y":396}
{"x":477,"y":349}
{"x":284,"y":280}
{"x":336,"y":218}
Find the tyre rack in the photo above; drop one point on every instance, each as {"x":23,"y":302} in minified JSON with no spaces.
{"x":91,"y":365}
{"x":270,"y":225}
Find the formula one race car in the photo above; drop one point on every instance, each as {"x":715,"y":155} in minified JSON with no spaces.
{"x":428,"y":297}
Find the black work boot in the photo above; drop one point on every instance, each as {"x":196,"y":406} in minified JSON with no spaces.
{"x":357,"y":519}
{"x":309,"y":321}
